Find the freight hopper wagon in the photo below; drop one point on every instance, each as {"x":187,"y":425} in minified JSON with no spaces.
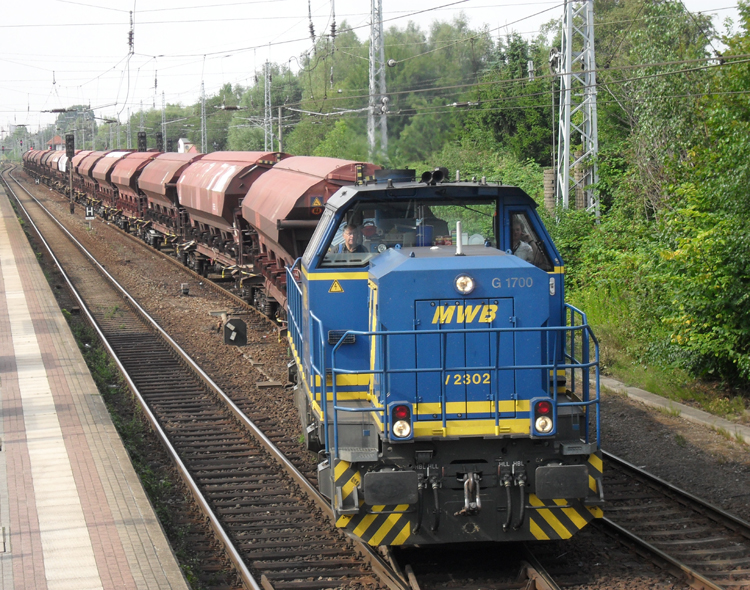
{"x":441,"y":377}
{"x":284,"y":207}
{"x":210,"y":191}
{"x":164,"y":219}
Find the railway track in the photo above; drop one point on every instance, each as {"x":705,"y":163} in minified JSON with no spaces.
{"x":272,"y":524}
{"x":704,"y":545}
{"x":243,"y":488}
{"x":452,"y":567}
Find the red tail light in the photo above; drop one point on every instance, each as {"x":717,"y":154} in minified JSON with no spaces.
{"x":543,"y":408}
{"x":400,"y":413}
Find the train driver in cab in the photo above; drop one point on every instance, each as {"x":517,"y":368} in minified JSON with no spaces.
{"x":352,"y":240}
{"x":520,"y":246}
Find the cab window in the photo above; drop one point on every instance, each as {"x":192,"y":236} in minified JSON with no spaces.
{"x":369,"y":228}
{"x":525,"y":242}
{"x":317,"y":237}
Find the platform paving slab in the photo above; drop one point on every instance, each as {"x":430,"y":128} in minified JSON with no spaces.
{"x":73,"y":513}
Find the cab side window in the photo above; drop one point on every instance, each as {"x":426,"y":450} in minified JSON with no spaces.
{"x":525,"y":242}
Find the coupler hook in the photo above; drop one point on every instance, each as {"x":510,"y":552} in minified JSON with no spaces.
{"x":472,"y":501}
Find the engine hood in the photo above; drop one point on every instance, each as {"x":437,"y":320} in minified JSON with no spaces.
{"x":429,"y":275}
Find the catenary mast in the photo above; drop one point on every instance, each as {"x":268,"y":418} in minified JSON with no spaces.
{"x":376,"y":114}
{"x":578,"y":107}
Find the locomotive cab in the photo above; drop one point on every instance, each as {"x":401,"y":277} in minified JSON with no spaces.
{"x":433,"y":348}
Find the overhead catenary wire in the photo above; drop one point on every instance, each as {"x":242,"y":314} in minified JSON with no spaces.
{"x":731,"y":59}
{"x":208,"y":55}
{"x":185,"y":93}
{"x":727,"y":61}
{"x":126,"y":72}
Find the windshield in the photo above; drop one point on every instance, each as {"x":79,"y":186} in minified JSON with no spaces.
{"x":369,"y":228}
{"x":317,"y":237}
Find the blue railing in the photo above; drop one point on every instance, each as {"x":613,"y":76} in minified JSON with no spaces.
{"x":294,"y":306}
{"x":574,"y":336}
{"x":575,"y":318}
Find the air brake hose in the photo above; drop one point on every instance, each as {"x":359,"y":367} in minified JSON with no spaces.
{"x":521,"y":483}
{"x":436,"y":512}
{"x":420,"y":507}
{"x":508,"y":482}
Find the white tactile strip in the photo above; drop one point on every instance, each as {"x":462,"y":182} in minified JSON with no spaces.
{"x":68,"y":554}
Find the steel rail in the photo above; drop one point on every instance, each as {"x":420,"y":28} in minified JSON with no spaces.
{"x":742,"y":526}
{"x":374,"y":560}
{"x":679,"y":568}
{"x":692,"y":577}
{"x":247,"y":578}
{"x":535,"y":571}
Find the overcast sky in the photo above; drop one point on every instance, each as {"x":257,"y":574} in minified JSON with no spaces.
{"x":56,"y":53}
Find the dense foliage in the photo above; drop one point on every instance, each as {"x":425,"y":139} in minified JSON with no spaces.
{"x":664,"y":275}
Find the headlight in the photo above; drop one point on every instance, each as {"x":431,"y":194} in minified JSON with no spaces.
{"x":544,"y":421}
{"x":543,"y":424}
{"x":401,"y":428}
{"x":400,"y":421}
{"x":464,"y":284}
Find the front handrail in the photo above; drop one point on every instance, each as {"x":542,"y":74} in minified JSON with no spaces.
{"x":571,"y":314}
{"x":573,"y":364}
{"x":574,"y":334}
{"x":295,"y":327}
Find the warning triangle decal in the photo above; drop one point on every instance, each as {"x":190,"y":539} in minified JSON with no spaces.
{"x":336,"y":288}
{"x":317,"y":202}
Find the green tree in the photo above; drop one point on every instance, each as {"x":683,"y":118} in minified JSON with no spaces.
{"x":342,"y":142}
{"x":514,"y":108}
{"x":706,"y":235}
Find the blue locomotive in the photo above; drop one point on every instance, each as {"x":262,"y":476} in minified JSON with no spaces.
{"x":451,"y":393}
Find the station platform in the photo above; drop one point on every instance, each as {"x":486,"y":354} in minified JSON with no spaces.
{"x":73,"y":513}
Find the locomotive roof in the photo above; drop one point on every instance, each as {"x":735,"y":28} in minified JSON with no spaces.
{"x":410,"y":190}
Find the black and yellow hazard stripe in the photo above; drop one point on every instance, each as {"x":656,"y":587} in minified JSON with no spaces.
{"x":561,"y":518}
{"x":595,"y":466}
{"x":375,"y":525}
{"x":557,"y":519}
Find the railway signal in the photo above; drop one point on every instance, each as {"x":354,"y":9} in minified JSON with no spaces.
{"x":70,"y":148}
{"x":70,"y":151}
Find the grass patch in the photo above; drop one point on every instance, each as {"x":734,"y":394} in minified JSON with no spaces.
{"x":723,"y":432}
{"x":112,"y":312}
{"x":670,"y":411}
{"x":680,"y":440}
{"x":729,"y":436}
